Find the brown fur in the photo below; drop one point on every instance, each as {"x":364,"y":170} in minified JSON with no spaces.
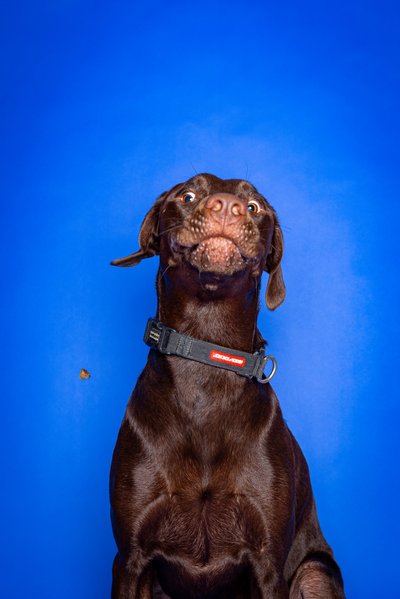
{"x":210,"y":493}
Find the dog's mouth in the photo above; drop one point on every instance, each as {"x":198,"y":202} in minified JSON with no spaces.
{"x":216,"y":254}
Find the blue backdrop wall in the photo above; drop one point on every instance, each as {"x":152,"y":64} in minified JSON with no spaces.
{"x":103,"y":107}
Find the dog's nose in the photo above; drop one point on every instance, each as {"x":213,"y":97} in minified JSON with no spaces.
{"x":226,"y":208}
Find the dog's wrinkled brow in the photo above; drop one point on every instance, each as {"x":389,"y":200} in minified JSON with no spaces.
{"x":212,"y":184}
{"x":201,"y":182}
{"x":245,"y":187}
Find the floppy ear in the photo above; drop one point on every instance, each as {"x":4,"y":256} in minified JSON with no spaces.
{"x":276,"y":291}
{"x":148,"y":237}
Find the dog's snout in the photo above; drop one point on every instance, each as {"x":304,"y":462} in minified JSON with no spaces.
{"x":226,"y":208}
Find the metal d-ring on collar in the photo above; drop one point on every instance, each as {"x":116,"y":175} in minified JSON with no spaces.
{"x":168,"y":341}
{"x":265,"y":379}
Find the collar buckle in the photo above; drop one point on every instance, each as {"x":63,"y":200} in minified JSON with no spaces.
{"x":157,"y":335}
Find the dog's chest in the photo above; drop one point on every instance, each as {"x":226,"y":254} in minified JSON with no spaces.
{"x":208,"y":504}
{"x":202,"y":484}
{"x":202,"y":529}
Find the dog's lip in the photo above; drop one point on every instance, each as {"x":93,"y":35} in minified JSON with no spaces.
{"x":192,"y":246}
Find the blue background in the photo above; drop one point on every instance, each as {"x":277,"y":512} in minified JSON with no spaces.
{"x":104,"y":106}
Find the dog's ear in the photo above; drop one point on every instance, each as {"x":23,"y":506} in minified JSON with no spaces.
{"x":148,"y":237}
{"x":276,"y":291}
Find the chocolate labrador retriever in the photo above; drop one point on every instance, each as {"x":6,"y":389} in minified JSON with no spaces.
{"x":210,"y":492}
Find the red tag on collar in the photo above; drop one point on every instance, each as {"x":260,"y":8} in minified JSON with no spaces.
{"x":219,"y":356}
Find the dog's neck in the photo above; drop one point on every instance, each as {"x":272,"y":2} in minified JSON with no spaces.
{"x":226,"y":315}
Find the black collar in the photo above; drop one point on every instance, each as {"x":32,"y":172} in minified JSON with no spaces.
{"x":170,"y":342}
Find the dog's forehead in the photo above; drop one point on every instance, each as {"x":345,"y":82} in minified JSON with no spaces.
{"x":213,"y":184}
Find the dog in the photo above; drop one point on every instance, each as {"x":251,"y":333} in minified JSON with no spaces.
{"x":210,"y":492}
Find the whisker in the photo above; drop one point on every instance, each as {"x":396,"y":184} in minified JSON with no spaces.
{"x":172,"y":228}
{"x":165,"y":270}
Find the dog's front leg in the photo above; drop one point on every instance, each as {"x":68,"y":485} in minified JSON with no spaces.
{"x":131,"y":583}
{"x":317,"y":577}
{"x":270,"y":585}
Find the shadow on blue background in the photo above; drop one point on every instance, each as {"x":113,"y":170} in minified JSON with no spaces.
{"x":105,"y":106}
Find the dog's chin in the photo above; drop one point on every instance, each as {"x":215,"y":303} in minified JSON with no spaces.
{"x":217,"y":255}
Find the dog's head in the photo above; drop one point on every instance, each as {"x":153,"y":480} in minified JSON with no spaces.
{"x":217,"y":226}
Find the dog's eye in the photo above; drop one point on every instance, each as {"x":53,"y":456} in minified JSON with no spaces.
{"x":253,"y":206}
{"x":188,"y":197}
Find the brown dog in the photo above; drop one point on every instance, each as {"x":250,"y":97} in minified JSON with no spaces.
{"x":210,"y":493}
